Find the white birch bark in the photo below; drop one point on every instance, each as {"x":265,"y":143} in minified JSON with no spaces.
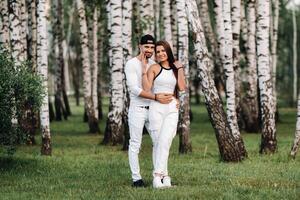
{"x":42,"y":64}
{"x":250,"y":101}
{"x":127,"y":52}
{"x":113,"y":132}
{"x":24,"y":26}
{"x":229,"y":151}
{"x":294,"y":55}
{"x":32,"y":30}
{"x":183,"y":57}
{"x":268,"y":143}
{"x":86,"y":67}
{"x":226,"y":53}
{"x":244,"y":33}
{"x":95,"y":63}
{"x":274,"y":39}
{"x":166,"y":14}
{"x":296,"y":143}
{"x":4,"y":24}
{"x":174,"y":26}
{"x":66,"y":49}
{"x":17,"y":47}
{"x":157,"y":19}
{"x":236,"y":28}
{"x":147,"y":16}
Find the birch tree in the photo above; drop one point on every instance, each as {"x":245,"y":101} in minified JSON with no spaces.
{"x":4,"y":24}
{"x":174,"y":26}
{"x":16,"y":37}
{"x":86,"y":66}
{"x":274,"y":39}
{"x":217,"y":70}
{"x":294,"y":55}
{"x":167,"y":27}
{"x":157,"y":19}
{"x":114,"y":125}
{"x":228,"y":148}
{"x":268,"y":140}
{"x":59,"y":72}
{"x":95,"y":65}
{"x":127,"y":52}
{"x":250,"y":100}
{"x":296,"y":143}
{"x":147,"y":16}
{"x":185,"y":145}
{"x":42,"y":64}
{"x":223,"y":22}
{"x":236,"y":28}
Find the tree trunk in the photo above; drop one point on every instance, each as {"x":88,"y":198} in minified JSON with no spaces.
{"x":42,"y":64}
{"x":185,"y":145}
{"x":166,"y":14}
{"x":127,"y":52}
{"x":16,"y":31}
{"x":244,"y":29}
{"x":226,"y":52}
{"x":157,"y":19}
{"x":229,"y":151}
{"x":147,"y":17}
{"x":86,"y":67}
{"x":294,"y":56}
{"x":174,"y":27}
{"x":4,"y":28}
{"x":268,"y":140}
{"x":236,"y":28}
{"x":95,"y":66}
{"x":250,"y":100}
{"x":114,"y":126}
{"x":296,"y":143}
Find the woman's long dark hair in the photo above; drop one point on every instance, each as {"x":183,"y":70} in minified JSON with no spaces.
{"x":171,"y":58}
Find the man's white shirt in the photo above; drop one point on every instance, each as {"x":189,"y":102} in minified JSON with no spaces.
{"x":133,"y":71}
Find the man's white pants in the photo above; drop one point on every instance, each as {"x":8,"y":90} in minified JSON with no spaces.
{"x":137,"y":119}
{"x":163,"y":119}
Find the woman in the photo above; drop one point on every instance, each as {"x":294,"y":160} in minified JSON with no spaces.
{"x":165,"y":77}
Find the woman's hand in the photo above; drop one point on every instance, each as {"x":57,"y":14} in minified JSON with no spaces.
{"x":178,"y":64}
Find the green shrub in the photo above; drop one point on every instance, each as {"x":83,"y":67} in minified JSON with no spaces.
{"x":20,"y":90}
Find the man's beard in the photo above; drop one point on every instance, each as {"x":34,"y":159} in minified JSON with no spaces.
{"x":148,"y":55}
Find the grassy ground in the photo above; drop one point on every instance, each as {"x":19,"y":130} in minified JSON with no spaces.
{"x":80,"y":168}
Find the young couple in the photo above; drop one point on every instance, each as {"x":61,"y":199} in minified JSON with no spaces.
{"x":153,"y":88}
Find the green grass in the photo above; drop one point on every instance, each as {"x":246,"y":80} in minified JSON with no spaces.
{"x":80,"y":168}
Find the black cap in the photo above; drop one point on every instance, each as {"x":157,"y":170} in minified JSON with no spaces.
{"x":147,"y":39}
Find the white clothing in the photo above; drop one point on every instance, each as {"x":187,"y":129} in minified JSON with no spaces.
{"x":164,"y":82}
{"x":163,"y":119}
{"x":137,"y":114}
{"x":133,"y":72}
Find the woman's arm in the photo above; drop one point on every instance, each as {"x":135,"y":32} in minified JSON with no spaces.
{"x":181,"y":77}
{"x":148,"y":77}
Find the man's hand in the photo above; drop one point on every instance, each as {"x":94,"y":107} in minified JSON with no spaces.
{"x":164,"y":98}
{"x":144,"y":63}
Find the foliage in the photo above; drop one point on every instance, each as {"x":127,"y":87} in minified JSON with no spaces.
{"x":20,"y":90}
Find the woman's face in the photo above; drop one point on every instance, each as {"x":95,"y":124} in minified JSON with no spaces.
{"x":161,"y":54}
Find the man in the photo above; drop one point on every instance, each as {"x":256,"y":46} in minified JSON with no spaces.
{"x":139,"y":103}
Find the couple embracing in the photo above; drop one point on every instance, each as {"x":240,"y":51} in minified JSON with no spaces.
{"x":154,"y":88}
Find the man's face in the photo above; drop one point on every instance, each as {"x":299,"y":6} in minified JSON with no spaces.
{"x":147,"y":50}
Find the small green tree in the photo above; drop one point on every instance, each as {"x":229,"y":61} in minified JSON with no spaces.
{"x":20,"y":90}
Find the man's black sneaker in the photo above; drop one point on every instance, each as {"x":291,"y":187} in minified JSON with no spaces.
{"x":138,"y":183}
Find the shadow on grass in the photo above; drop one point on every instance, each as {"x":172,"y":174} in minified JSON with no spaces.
{"x":15,"y":164}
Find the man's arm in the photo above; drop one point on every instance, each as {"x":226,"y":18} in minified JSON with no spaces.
{"x":132,"y":84}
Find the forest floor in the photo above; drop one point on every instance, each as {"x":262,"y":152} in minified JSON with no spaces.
{"x":81,"y":168}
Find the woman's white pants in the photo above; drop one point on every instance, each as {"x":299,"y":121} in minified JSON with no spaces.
{"x":163,"y":119}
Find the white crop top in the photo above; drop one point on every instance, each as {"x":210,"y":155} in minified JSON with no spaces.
{"x":165,"y":81}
